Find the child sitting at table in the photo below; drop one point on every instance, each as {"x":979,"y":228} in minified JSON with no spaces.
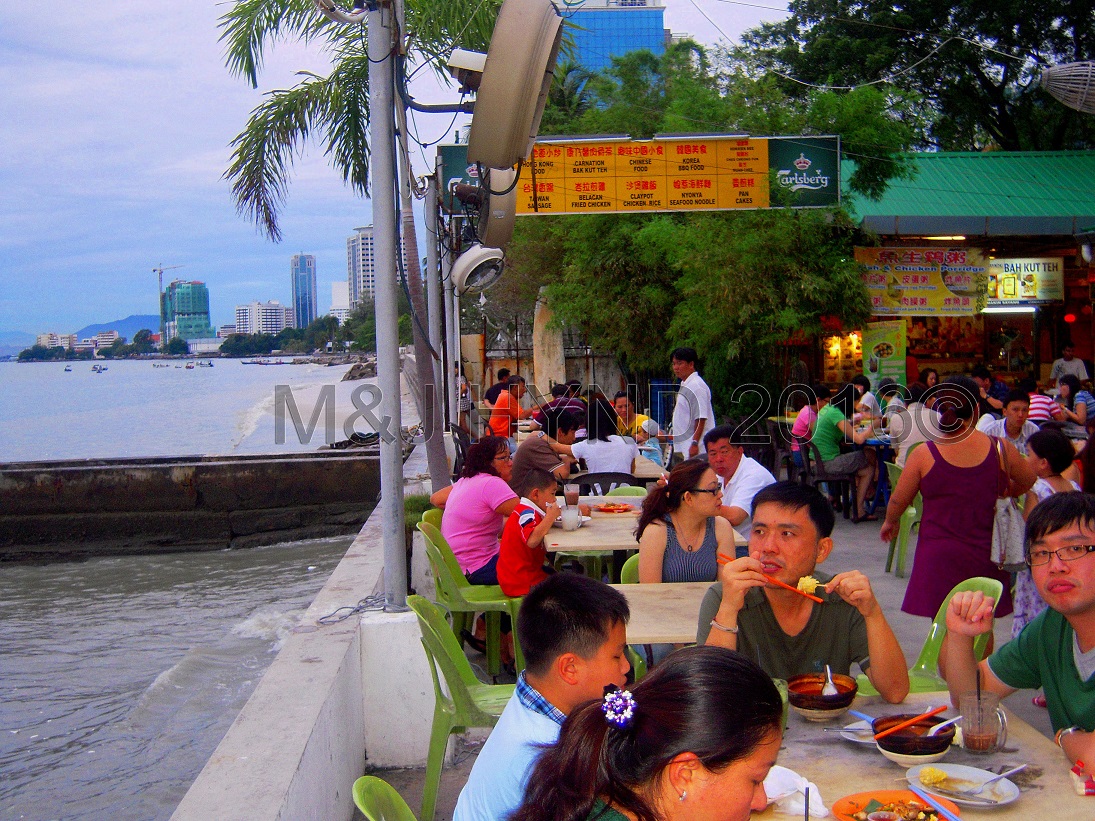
{"x":647,"y":439}
{"x":522,"y":555}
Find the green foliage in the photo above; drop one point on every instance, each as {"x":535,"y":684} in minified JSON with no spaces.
{"x":40,"y":353}
{"x":176,"y":346}
{"x":967,"y":71}
{"x":248,"y":344}
{"x":333,"y":109}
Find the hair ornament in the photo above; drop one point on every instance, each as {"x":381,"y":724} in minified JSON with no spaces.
{"x":619,"y":708}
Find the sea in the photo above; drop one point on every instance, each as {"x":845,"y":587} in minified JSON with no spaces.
{"x":119,"y":676}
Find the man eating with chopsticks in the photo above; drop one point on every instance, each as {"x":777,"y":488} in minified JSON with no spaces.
{"x":756,"y":607}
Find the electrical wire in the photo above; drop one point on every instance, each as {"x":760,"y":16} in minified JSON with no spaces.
{"x":368,"y":604}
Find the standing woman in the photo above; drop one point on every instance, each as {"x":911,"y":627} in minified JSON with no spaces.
{"x":692,"y":741}
{"x":959,"y":476}
{"x":680,"y":532}
{"x":476,"y":508}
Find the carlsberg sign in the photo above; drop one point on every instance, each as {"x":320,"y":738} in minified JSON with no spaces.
{"x":807,"y":168}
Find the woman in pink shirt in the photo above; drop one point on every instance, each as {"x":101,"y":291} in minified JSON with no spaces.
{"x":476,"y":508}
{"x":804,"y":422}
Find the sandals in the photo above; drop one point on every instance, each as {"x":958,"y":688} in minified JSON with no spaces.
{"x":870,"y":517}
{"x":476,"y":644}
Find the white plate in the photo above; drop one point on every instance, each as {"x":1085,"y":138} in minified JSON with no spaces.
{"x":585,"y":520}
{"x":1002,"y":791}
{"x":851,"y":732}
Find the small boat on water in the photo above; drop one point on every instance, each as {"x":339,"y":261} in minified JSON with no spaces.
{"x":68,"y":369}
{"x":205,"y":364}
{"x":190,"y":366}
{"x":159,"y":365}
{"x":98,"y":368}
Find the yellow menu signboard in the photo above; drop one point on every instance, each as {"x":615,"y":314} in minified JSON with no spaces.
{"x":628,"y":176}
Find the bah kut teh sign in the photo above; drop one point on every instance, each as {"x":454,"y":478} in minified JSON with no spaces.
{"x":679,"y":174}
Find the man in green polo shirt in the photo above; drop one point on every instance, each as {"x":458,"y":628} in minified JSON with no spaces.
{"x":1056,"y":651}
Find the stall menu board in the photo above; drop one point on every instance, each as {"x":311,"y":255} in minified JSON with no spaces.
{"x":843,"y":358}
{"x":1026,"y":281}
{"x":884,"y":351}
{"x":679,"y":174}
{"x":924,"y":281}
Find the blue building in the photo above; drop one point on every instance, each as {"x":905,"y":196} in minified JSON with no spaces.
{"x":603,"y":29}
{"x":303,"y":271}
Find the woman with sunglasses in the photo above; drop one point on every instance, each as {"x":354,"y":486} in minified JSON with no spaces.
{"x":680,"y":533}
{"x":476,"y":508}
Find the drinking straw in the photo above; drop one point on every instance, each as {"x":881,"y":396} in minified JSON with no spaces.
{"x":722,"y":558}
{"x":943,"y":811}
{"x":807,"y":816}
{"x":910,"y":722}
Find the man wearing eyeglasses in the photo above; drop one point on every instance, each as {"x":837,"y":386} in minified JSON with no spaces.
{"x":1056,"y":651}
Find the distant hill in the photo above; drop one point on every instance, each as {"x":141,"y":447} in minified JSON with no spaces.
{"x":11,"y":342}
{"x":125,"y":327}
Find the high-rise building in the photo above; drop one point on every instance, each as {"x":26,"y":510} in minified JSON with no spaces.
{"x":361,"y":266}
{"x":263,"y":318}
{"x":303,"y":273}
{"x":185,"y":310}
{"x":340,"y":301}
{"x":603,"y":29}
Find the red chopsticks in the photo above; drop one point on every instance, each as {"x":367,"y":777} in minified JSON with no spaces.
{"x":910,"y":722}
{"x":722,"y":558}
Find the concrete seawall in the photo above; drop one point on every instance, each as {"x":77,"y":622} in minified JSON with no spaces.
{"x":73,"y":510}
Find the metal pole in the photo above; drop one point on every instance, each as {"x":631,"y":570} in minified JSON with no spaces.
{"x":452,"y":327}
{"x":442,"y":372}
{"x":382,"y":133}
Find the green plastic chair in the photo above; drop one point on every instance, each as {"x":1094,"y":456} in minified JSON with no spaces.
{"x":899,"y":544}
{"x":627,"y":490}
{"x":378,"y":800}
{"x":924,"y":675}
{"x":470,"y":703}
{"x":629,"y":574}
{"x":433,"y":516}
{"x":463,"y":599}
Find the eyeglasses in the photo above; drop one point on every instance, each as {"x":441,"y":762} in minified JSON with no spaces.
{"x":1070,"y":553}
{"x":716,"y":491}
{"x":503,"y":457}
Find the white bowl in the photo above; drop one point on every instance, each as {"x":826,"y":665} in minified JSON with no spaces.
{"x":820,"y":715}
{"x":911,"y":760}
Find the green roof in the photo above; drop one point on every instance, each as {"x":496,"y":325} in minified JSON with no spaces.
{"x":987,"y":193}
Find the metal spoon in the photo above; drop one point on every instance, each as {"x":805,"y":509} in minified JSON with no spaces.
{"x":977,"y":790}
{"x":829,"y":689}
{"x":936,"y":728}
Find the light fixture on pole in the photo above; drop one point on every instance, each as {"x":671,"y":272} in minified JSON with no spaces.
{"x":477,"y":269}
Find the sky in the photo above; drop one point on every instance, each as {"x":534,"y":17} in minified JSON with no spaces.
{"x":115,"y":124}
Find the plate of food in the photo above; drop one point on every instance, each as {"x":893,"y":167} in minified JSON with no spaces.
{"x":903,"y":804}
{"x":614,"y":507}
{"x":944,"y":780}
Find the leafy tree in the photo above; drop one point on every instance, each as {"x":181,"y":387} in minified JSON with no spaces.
{"x":248,"y":344}
{"x":142,"y":341}
{"x":176,"y":346}
{"x":40,"y":353}
{"x":335,"y":108}
{"x":974,"y":65}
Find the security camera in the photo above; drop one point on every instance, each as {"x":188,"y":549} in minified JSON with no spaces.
{"x":467,"y":68}
{"x":477,"y":268}
{"x":332,"y":12}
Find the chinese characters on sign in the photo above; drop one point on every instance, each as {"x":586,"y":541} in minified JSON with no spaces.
{"x":924,"y":281}
{"x":708,"y":173}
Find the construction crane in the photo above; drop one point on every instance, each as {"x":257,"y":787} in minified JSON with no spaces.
{"x":163,"y":320}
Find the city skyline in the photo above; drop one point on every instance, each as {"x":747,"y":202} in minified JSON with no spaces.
{"x":115,"y":122}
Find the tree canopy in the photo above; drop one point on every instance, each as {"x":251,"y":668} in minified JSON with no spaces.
{"x":731,"y":284}
{"x":971,"y":66}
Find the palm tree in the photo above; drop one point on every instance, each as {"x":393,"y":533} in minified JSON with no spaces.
{"x":334,"y":108}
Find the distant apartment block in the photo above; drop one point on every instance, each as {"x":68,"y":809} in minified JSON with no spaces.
{"x":340,"y":301}
{"x":361,"y":266}
{"x":302,"y":270}
{"x":104,"y":339}
{"x":50,"y":340}
{"x":603,"y":29}
{"x":263,"y":318}
{"x":225,"y":331}
{"x":185,"y":310}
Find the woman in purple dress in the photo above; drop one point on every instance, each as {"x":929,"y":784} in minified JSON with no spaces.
{"x":959,"y":476}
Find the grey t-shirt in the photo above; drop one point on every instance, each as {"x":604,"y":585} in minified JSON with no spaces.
{"x":836,"y":634}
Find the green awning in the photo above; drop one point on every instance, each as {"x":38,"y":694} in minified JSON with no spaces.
{"x":994,"y":193}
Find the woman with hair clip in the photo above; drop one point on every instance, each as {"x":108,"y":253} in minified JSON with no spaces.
{"x":680,"y":533}
{"x":692,"y":741}
{"x":960,"y":474}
